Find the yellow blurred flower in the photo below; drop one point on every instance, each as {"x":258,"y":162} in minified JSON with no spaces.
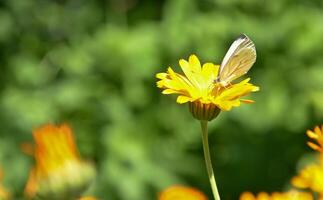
{"x":290,"y":195}
{"x":310,"y":177}
{"x":197,"y":86}
{"x":4,"y":194}
{"x":59,"y":172}
{"x":181,"y":193}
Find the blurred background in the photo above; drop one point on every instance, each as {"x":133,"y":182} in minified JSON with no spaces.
{"x":92,"y":64}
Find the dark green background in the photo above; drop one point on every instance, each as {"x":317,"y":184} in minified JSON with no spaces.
{"x":92,"y":64}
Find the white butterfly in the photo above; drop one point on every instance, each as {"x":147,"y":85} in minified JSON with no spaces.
{"x":237,"y":61}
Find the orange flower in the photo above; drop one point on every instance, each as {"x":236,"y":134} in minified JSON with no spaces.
{"x":316,"y":135}
{"x":88,"y":198}
{"x":181,"y":193}
{"x":290,"y":195}
{"x":311,"y":176}
{"x":59,"y":171}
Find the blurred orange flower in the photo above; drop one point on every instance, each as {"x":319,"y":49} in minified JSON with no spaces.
{"x":290,"y":195}
{"x":317,"y":135}
{"x":311,"y":176}
{"x":59,"y":171}
{"x":4,"y":194}
{"x":181,"y":193}
{"x":88,"y":198}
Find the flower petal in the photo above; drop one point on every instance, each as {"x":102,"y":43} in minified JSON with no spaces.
{"x":161,"y":75}
{"x":311,"y":134}
{"x":189,"y":73}
{"x":210,"y":72}
{"x":195,"y":64}
{"x":183,"y":99}
{"x":247,"y":101}
{"x":317,"y":130}
{"x":169,"y":91}
{"x":314,"y":146}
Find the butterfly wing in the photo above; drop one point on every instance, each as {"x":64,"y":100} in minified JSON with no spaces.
{"x":238,"y":60}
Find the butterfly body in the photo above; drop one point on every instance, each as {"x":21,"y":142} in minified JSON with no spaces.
{"x":237,"y":61}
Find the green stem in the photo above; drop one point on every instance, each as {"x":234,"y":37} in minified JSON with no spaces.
{"x":208,"y":162}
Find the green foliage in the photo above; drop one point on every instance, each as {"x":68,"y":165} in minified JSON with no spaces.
{"x":92,"y":64}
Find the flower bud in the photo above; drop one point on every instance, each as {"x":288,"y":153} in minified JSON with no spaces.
{"x":202,"y":111}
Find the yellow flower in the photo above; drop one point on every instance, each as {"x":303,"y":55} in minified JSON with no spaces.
{"x":197,"y":86}
{"x":316,"y":135}
{"x":59,"y":172}
{"x":290,"y":195}
{"x":181,"y":193}
{"x":4,"y":194}
{"x":310,"y":177}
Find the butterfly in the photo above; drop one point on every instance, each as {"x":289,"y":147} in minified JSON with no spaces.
{"x":237,"y":61}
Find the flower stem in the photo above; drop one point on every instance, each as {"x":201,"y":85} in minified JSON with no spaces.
{"x":208,"y":162}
